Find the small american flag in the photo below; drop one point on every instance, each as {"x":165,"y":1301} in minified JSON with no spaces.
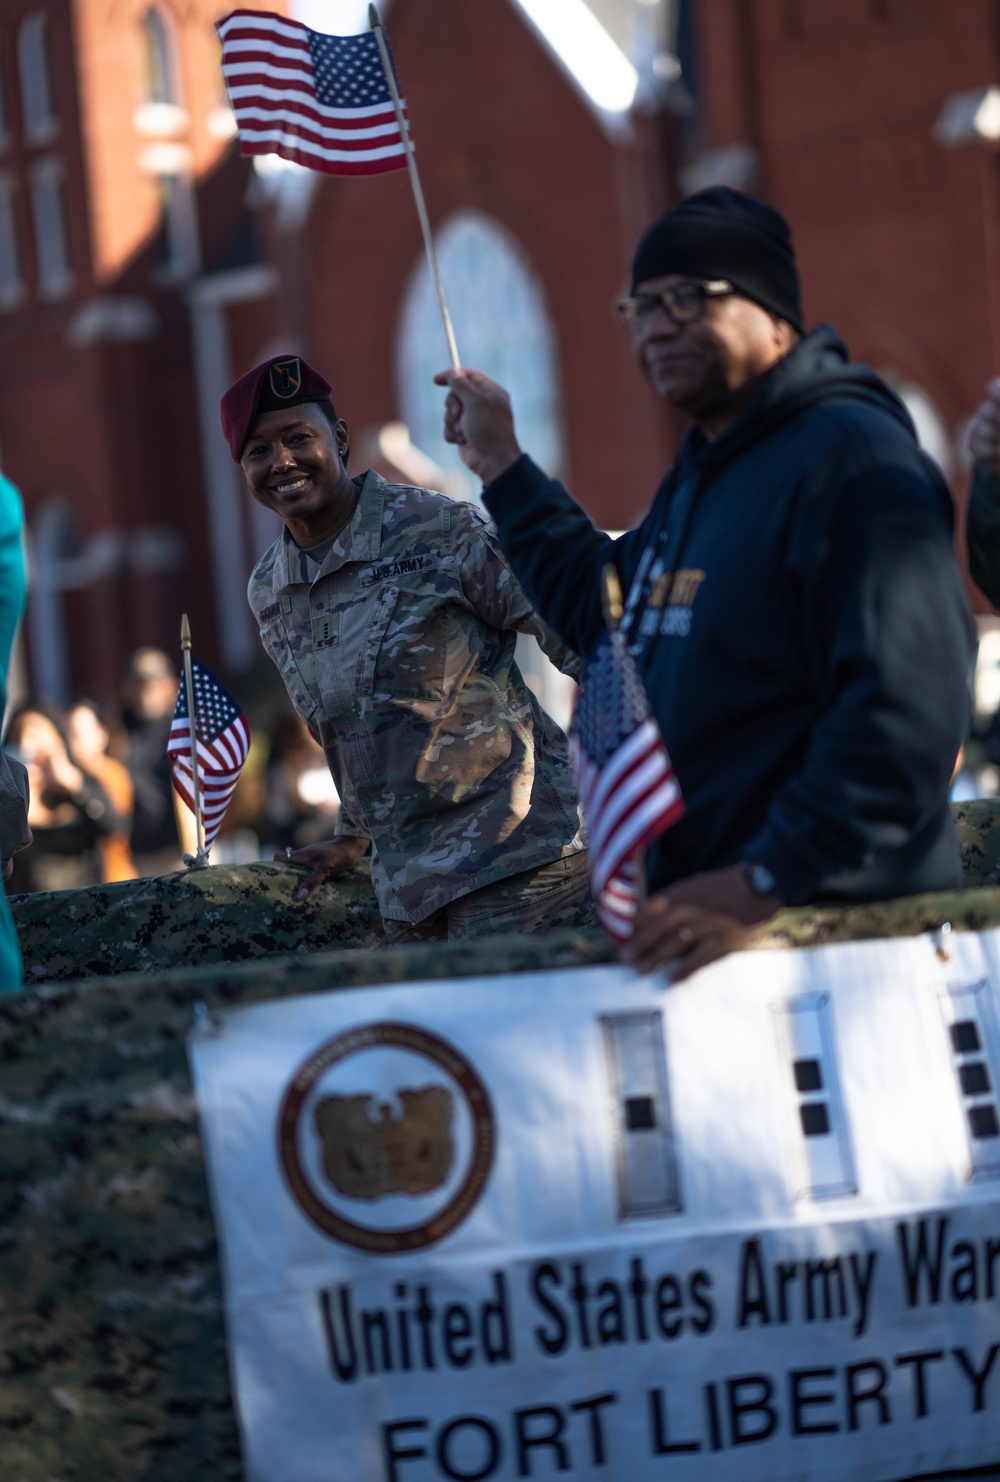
{"x":322,"y":101}
{"x":625,"y":779}
{"x":223,"y":745}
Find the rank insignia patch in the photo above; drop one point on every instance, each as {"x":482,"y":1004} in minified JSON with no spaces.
{"x":286,"y":377}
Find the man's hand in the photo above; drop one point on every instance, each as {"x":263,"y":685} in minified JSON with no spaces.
{"x":697,"y":921}
{"x":325,"y":861}
{"x":984,"y":429}
{"x":478,"y":419}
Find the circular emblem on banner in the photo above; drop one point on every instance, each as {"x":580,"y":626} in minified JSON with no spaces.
{"x":386,"y":1137}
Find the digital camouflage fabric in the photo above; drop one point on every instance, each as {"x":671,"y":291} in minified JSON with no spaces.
{"x":397,"y":650}
{"x":112,"y":1347}
{"x":246,"y":913}
{"x":978,"y":826}
{"x":219,"y":914}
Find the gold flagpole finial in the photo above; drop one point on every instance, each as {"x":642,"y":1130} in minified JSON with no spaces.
{"x":611,"y":596}
{"x":185,"y":634}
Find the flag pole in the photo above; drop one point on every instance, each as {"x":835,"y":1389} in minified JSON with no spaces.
{"x":200,"y":857}
{"x":613,"y":605}
{"x":418,"y":194}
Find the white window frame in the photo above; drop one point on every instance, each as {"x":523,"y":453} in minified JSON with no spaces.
{"x":52,"y":260}
{"x":40,"y":122}
{"x":163,"y":47}
{"x":461,"y":242}
{"x":12,"y":291}
{"x":5,"y":139}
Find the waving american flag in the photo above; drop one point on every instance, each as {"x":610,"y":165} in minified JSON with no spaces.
{"x":319,"y":100}
{"x":223,"y":744}
{"x":624,"y":777}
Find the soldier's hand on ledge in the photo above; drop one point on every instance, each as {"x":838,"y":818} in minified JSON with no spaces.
{"x":697,"y":921}
{"x":324,"y":861}
{"x":478,"y":419}
{"x":984,"y":429}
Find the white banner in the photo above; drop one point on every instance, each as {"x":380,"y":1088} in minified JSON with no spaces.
{"x":583,"y":1224}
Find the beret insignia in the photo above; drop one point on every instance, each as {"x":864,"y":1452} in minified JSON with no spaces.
{"x":286,"y":377}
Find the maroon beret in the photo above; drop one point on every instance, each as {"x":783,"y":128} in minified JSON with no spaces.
{"x":285,"y":381}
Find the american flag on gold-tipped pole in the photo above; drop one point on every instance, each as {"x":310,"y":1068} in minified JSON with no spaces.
{"x":331,"y":103}
{"x":625,"y":779}
{"x":209,"y":742}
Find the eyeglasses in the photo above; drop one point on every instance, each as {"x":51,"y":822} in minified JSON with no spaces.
{"x":682,"y":305}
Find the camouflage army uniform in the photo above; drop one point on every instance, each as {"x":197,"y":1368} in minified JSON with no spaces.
{"x":398,"y":653}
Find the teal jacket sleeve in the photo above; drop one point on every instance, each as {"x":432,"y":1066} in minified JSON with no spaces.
{"x":13,"y":590}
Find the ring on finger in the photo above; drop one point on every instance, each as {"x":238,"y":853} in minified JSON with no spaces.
{"x":288,"y":852}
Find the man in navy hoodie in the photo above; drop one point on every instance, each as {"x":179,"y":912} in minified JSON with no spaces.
{"x":794,"y":601}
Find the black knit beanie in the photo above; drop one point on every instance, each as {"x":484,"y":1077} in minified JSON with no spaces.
{"x":722,"y":233}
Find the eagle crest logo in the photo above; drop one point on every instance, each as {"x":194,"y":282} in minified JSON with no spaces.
{"x":351,"y":1145}
{"x":369,"y":1152}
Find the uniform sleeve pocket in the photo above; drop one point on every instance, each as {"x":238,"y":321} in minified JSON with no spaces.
{"x":276,"y":641}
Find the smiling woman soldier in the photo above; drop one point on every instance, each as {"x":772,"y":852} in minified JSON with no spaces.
{"x":392,"y":616}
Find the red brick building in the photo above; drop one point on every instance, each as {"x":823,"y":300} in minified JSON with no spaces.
{"x":119,"y":191}
{"x":535,"y":200}
{"x":831,"y":109}
{"x":143,"y":264}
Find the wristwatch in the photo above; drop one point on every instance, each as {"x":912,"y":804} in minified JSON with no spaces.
{"x":760,"y":879}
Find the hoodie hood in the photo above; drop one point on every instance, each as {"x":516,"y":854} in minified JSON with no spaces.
{"x":817,"y":369}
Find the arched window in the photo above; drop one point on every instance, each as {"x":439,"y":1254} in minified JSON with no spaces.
{"x":33,"y":70}
{"x":162,"y":73}
{"x":502,"y":327}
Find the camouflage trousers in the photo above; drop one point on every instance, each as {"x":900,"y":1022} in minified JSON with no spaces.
{"x":552,"y":896}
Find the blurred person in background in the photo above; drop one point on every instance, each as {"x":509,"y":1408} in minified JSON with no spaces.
{"x":300,"y":803}
{"x":89,"y":740}
{"x":148,"y":699}
{"x":69,"y":811}
{"x":13,"y":589}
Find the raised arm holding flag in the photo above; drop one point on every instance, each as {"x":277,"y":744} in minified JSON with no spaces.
{"x":798,"y":617}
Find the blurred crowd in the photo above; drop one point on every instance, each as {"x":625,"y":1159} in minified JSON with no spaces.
{"x":103,"y":807}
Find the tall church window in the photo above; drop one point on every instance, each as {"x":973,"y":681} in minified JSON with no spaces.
{"x":33,"y":70}
{"x":162,"y":73}
{"x":502,"y":327}
{"x":11,"y":286}
{"x":49,"y":217}
{"x":4,"y":133}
